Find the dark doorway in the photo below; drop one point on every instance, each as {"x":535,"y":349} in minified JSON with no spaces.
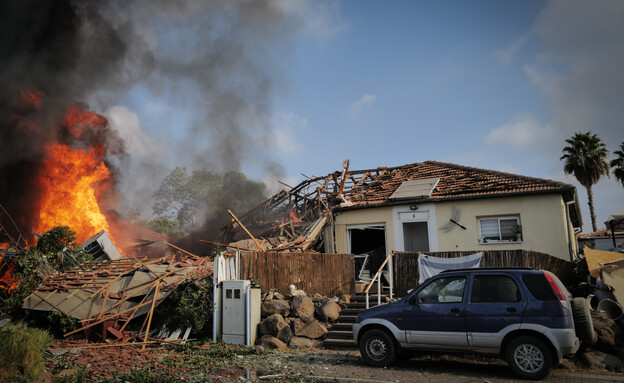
{"x":369,"y":240}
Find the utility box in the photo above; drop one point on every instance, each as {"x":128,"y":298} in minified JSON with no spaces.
{"x":241,"y":310}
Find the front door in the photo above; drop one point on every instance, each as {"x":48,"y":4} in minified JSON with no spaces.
{"x":435,"y":316}
{"x":415,"y":236}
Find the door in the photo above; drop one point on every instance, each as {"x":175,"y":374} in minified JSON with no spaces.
{"x":495,"y":303}
{"x":369,"y":241}
{"x":435,"y":316}
{"x":415,"y":236}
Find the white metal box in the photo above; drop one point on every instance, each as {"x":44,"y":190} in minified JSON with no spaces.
{"x":240,"y":312}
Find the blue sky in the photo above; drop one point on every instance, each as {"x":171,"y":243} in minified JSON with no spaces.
{"x":491,"y":84}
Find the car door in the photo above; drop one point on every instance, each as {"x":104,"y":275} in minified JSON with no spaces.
{"x":435,"y":316}
{"x":496,"y":302}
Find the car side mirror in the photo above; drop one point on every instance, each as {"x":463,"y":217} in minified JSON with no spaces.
{"x":412,"y":300}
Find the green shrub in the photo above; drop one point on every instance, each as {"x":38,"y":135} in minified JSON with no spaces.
{"x":189,"y":305}
{"x":21,"y":353}
{"x":56,"y":251}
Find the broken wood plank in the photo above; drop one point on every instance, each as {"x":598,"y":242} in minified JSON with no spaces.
{"x":246,"y":231}
{"x":151,"y":313}
{"x":182,"y":250}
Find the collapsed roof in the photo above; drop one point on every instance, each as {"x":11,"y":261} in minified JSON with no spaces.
{"x":115,"y":289}
{"x":294,"y":219}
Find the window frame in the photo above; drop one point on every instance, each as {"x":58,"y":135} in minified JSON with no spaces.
{"x":482,"y":240}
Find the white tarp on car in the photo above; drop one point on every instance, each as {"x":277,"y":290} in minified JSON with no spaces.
{"x":428,"y":265}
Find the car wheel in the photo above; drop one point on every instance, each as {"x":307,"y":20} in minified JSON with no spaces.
{"x":583,"y":322}
{"x":378,"y":348}
{"x":529,"y":357}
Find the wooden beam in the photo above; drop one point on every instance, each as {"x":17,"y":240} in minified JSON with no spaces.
{"x":151,"y":314}
{"x":246,"y":231}
{"x":182,"y":250}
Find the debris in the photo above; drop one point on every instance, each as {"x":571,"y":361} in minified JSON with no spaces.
{"x":113,"y":292}
{"x":101,"y":247}
{"x":597,"y":258}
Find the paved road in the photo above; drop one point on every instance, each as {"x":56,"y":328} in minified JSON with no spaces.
{"x":347,"y":366}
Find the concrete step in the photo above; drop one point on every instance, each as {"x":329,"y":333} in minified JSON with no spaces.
{"x":350,"y":311}
{"x":347,"y":319}
{"x":340,"y":334}
{"x":371,"y":298}
{"x":342,"y":327}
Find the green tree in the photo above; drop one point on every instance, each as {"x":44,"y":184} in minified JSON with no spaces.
{"x":618,"y":164}
{"x":186,"y":202}
{"x":166,"y":226}
{"x":585,"y":157}
{"x":57,"y":239}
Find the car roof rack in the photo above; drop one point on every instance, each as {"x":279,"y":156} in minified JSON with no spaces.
{"x":489,"y":268}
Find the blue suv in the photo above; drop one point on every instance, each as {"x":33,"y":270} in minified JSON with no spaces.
{"x":523,"y":315}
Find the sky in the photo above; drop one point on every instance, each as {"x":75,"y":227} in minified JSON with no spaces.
{"x":490,"y":84}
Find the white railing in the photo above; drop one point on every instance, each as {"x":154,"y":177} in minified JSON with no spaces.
{"x":377,"y":278}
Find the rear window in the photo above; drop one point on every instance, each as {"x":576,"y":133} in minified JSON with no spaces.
{"x":539,"y":287}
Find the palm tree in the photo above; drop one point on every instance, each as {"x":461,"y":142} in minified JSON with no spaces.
{"x":618,"y":164}
{"x":586,"y":158}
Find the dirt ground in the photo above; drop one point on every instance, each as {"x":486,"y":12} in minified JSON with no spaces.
{"x":237,"y":364}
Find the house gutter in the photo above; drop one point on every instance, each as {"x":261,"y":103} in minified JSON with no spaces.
{"x":571,"y":236}
{"x":446,"y":199}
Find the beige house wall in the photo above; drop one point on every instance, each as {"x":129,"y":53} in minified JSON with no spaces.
{"x":359,"y":217}
{"x":543,"y":217}
{"x":545,"y":227}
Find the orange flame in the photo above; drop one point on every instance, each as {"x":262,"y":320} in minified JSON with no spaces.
{"x":72,"y":181}
{"x":292,"y":216}
{"x":7,"y":282}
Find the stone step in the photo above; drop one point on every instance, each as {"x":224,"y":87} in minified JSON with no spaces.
{"x":339,"y":343}
{"x":340,"y":335}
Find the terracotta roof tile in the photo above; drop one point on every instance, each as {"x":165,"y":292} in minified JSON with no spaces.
{"x":456,"y":181}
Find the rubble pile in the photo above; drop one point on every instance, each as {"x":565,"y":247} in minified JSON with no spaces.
{"x":109,"y":294}
{"x":608,"y":351}
{"x":295,"y":219}
{"x":606,"y":283}
{"x":297,"y":321}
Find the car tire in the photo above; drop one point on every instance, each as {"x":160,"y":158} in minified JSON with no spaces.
{"x":529,"y":357}
{"x":583,"y":322}
{"x":378,"y":348}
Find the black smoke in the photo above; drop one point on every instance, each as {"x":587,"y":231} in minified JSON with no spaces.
{"x":221,"y":59}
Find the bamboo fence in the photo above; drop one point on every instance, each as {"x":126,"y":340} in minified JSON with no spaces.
{"x":406,"y":274}
{"x":325,"y":274}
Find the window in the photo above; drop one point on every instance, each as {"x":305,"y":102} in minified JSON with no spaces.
{"x":443,"y":290}
{"x":499,"y":229}
{"x":539,"y":287}
{"x":494,"y":288}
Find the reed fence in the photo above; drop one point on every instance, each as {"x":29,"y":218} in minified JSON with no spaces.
{"x":321,"y":273}
{"x":406,"y":274}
